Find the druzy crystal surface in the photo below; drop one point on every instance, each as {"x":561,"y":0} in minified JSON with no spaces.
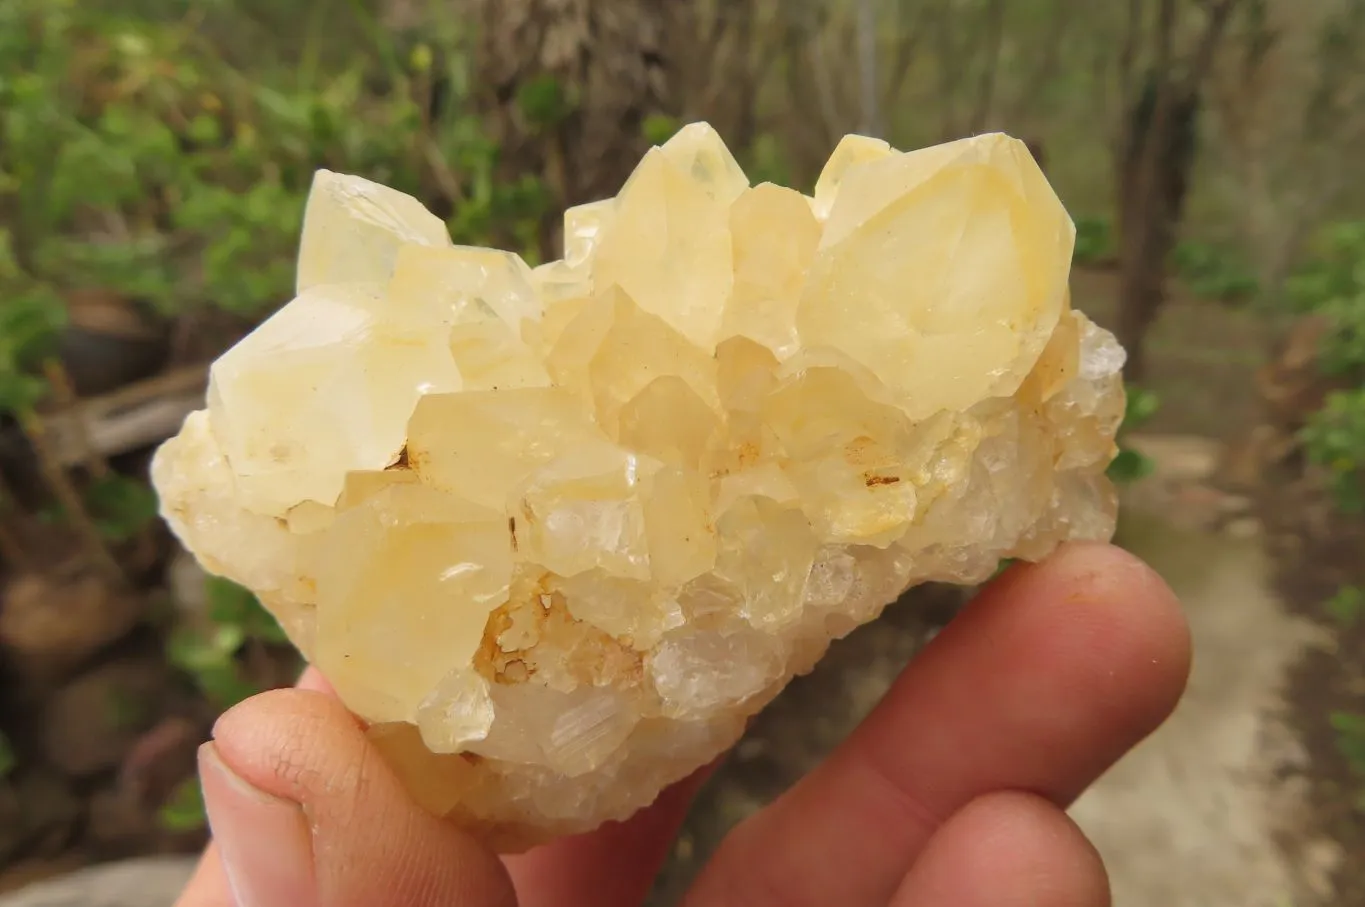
{"x":556,"y":533}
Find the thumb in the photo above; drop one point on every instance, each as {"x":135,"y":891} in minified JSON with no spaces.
{"x":304,"y":813}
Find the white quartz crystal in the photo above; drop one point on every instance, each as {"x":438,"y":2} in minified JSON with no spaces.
{"x":555,"y":534}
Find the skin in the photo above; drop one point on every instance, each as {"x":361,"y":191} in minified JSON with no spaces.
{"x":952,"y":792}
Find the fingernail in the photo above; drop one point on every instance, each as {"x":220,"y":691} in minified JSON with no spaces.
{"x":263,"y":840}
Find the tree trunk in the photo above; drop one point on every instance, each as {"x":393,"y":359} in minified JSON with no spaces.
{"x":1154,"y":177}
{"x":1157,"y":150}
{"x":608,"y":58}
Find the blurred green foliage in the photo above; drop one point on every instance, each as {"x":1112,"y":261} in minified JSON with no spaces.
{"x":1130,"y":465}
{"x":1094,"y":240}
{"x":1335,"y":439}
{"x":1332,"y":284}
{"x":1347,"y":606}
{"x":184,"y":811}
{"x":122,"y":507}
{"x":138,"y":156}
{"x":659,"y":128}
{"x":30,"y":318}
{"x":1350,"y":730}
{"x":1213,"y":272}
{"x":544,"y":102}
{"x":209,"y":655}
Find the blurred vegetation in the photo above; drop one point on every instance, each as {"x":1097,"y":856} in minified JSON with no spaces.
{"x":1347,"y":606}
{"x":1094,"y":241}
{"x":161,"y":153}
{"x":1130,"y":464}
{"x":209,"y":654}
{"x":1332,"y":285}
{"x":1215,"y":273}
{"x":136,"y":155}
{"x":1350,"y":730}
{"x":184,"y":811}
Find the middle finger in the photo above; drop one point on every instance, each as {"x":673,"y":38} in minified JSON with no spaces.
{"x":1042,"y":683}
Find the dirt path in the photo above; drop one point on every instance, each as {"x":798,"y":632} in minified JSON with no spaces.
{"x":1198,"y":814}
{"x":1194,"y":815}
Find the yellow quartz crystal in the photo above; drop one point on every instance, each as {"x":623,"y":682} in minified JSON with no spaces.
{"x":555,"y":534}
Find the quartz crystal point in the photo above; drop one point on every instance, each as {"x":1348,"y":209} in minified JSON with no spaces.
{"x":555,"y":534}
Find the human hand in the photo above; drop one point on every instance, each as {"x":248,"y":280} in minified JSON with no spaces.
{"x":951,"y":792}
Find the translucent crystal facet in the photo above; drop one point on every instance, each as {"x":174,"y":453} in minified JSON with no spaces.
{"x":556,"y":533}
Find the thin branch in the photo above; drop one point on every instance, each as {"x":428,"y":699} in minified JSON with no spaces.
{"x":1220,"y":14}
{"x":67,"y":405}
{"x":96,"y":549}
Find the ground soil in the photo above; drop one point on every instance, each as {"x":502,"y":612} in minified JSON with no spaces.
{"x":1317,"y":552}
{"x":1204,"y":360}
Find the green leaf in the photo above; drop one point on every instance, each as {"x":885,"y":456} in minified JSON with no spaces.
{"x":19,"y":393}
{"x":205,"y":129}
{"x":1347,"y":606}
{"x":543,"y":102}
{"x":1129,"y":466}
{"x":31,"y":321}
{"x":1350,"y":728}
{"x":1334,"y":438}
{"x":234,"y":607}
{"x":1094,"y":240}
{"x":420,"y":59}
{"x":122,"y":507}
{"x":184,"y":810}
{"x":211,"y":663}
{"x":1141,"y":405}
{"x":659,"y":128}
{"x":1215,"y":273}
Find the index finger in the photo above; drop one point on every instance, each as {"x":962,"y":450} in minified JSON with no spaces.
{"x":1040,"y":685}
{"x":208,"y":887}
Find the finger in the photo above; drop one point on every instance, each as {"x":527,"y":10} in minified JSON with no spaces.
{"x":304,"y":813}
{"x":613,"y":866}
{"x":1007,"y":850}
{"x":1043,"y":682}
{"x":208,"y":887}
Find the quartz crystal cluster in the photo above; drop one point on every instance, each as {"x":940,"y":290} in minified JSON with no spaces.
{"x":555,"y":533}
